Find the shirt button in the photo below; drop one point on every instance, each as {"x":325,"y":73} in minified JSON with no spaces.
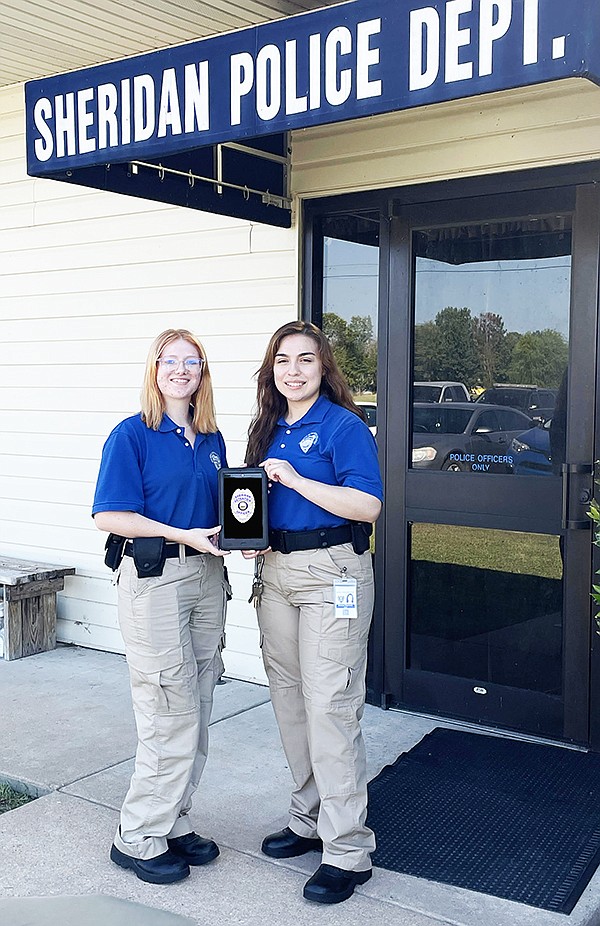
{"x":178,"y":430}
{"x":282,"y":446}
{"x":186,"y":444}
{"x":288,"y":432}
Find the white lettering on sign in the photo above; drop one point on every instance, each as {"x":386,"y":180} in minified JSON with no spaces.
{"x":273,"y":76}
{"x":457,"y":38}
{"x":101,"y":117}
{"x":64,"y":124}
{"x":490,"y":31}
{"x":85,"y":119}
{"x":143,"y":107}
{"x":293,"y":102}
{"x":424,"y":48}
{"x":168,"y":110}
{"x":242,"y":81}
{"x":108,"y":127}
{"x":464,"y":46}
{"x":530,"y":31}
{"x":126,"y":111}
{"x":197,"y":108}
{"x":268,"y":82}
{"x":367,"y":57}
{"x":314,"y":71}
{"x":44,"y":145}
{"x":338,"y":66}
{"x":338,"y":81}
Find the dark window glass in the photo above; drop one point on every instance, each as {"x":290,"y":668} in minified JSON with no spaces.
{"x":350,"y":300}
{"x":491,"y":310}
{"x":486,"y":605}
{"x":440,"y":419}
{"x":486,"y":423}
{"x":426,"y":393}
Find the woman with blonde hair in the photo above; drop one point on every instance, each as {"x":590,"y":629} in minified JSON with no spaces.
{"x":315,"y":607}
{"x":157,"y":487}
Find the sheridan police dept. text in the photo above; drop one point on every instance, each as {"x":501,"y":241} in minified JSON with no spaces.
{"x":342,"y":66}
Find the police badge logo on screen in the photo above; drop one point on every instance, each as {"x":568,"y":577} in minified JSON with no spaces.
{"x":243,"y":508}
{"x":242,"y":505}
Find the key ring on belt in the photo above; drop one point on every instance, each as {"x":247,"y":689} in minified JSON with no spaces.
{"x":257,"y":582}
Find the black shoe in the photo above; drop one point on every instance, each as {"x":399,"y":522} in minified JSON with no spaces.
{"x":332,"y":885}
{"x":162,"y":869}
{"x":193,"y":849}
{"x":286,"y":844}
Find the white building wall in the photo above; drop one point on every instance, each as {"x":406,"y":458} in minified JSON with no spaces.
{"x":87,"y":279}
{"x":540,"y":126}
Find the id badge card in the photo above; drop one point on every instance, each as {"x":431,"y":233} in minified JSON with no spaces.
{"x":344,"y":596}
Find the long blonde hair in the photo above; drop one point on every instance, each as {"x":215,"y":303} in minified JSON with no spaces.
{"x":204,"y":420}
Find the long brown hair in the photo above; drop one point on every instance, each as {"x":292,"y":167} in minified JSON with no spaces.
{"x":271,"y":404}
{"x":152,"y":400}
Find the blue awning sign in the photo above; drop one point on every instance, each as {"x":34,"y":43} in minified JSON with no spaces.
{"x":343,"y":62}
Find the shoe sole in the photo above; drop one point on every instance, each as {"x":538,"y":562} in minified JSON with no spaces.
{"x":127,"y":862}
{"x":285,"y":853}
{"x":361,"y":877}
{"x":209,"y":858}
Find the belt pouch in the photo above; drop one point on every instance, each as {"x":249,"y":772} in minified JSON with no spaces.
{"x":149,"y":555}
{"x":361,"y":532}
{"x":114,"y":547}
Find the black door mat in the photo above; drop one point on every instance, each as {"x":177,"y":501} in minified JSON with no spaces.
{"x":516,"y":820}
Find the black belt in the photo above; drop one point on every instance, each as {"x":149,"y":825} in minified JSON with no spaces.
{"x":171,"y":550}
{"x":292,"y":541}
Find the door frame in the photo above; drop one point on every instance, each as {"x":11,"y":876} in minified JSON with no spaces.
{"x":388,"y":638}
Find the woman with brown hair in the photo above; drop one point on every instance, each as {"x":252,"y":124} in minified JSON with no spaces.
{"x":315,"y":608}
{"x":157,"y":487}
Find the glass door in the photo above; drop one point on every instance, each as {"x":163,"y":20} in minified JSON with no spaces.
{"x":495,"y":467}
{"x":349,"y":282}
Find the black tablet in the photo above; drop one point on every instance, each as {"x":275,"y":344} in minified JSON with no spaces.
{"x":243,"y":508}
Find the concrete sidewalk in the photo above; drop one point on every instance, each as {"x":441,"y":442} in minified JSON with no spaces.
{"x":67,"y":732}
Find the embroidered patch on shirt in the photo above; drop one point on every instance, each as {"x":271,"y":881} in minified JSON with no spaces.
{"x":309,"y":441}
{"x":215,"y":459}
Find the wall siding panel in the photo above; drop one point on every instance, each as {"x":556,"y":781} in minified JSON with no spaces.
{"x":87,"y":279}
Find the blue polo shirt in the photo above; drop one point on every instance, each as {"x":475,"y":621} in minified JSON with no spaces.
{"x":159,"y":475}
{"x":331,"y":445}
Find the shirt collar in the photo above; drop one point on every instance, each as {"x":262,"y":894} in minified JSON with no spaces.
{"x":314,"y":415}
{"x":167,"y":424}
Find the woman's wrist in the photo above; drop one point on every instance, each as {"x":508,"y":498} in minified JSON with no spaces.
{"x":176,"y":535}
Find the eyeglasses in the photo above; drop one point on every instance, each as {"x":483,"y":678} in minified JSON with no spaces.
{"x":190,"y":363}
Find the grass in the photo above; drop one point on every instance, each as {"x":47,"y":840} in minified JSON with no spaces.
{"x":11,"y":799}
{"x":502,"y":551}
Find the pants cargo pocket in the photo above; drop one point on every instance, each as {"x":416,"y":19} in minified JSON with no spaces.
{"x":340,"y":672}
{"x":161,"y":683}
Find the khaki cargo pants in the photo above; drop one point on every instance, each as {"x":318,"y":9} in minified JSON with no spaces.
{"x":172,"y":626}
{"x":316,"y":664}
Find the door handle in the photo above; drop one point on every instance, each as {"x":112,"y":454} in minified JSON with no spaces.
{"x":568,"y":470}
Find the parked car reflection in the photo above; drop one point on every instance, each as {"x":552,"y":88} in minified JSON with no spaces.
{"x":370,"y":411}
{"x":531,"y":451}
{"x":532,"y":400}
{"x":465,"y":437}
{"x":440,"y":391}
